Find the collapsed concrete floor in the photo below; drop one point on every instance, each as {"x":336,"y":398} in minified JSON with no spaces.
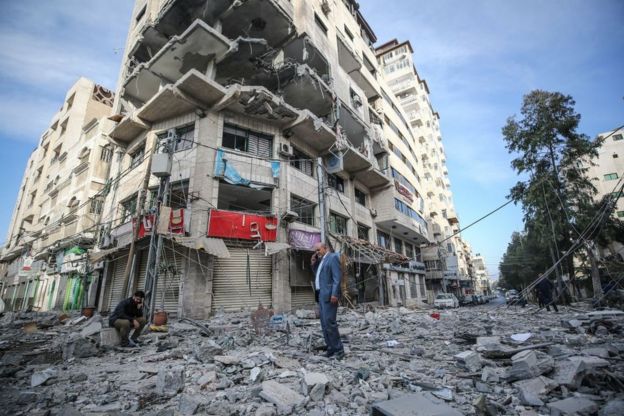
{"x":478,"y":360}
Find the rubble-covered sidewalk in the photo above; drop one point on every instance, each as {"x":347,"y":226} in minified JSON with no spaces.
{"x":399,"y":362}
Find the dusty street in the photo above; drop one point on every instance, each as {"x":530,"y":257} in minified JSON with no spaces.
{"x":474,"y":360}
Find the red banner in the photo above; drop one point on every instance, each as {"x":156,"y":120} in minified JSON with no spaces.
{"x":233,"y":224}
{"x":176,"y":223}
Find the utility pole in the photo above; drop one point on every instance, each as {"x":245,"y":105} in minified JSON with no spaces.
{"x":321,"y":196}
{"x":161,"y":167}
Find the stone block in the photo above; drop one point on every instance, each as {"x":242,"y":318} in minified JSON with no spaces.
{"x":109,"y":337}
{"x":91,"y":329}
{"x":170,"y":381}
{"x":226,"y":359}
{"x":529,"y":364}
{"x":573,"y":406}
{"x":491,"y":375}
{"x":285,"y":398}
{"x":41,"y":377}
{"x":613,"y":408}
{"x":206,"y":351}
{"x":470,"y":360}
{"x":265,"y":409}
{"x":529,"y":391}
{"x":188,"y":405}
{"x":596,"y":352}
{"x":418,"y":404}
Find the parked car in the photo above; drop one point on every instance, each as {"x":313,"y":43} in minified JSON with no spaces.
{"x":511,"y":296}
{"x":467,"y":300}
{"x":446,"y":300}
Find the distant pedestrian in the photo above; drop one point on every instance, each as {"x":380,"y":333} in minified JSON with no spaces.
{"x":545,"y":289}
{"x":127,"y":315}
{"x":328,"y":272}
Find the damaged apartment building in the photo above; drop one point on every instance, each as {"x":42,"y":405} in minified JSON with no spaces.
{"x":57,"y":212}
{"x":267,"y":110}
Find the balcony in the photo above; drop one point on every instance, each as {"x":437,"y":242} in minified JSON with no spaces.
{"x":194,"y":49}
{"x":193,"y":91}
{"x":265,"y":19}
{"x":413,"y":229}
{"x":348,"y":58}
{"x":128,"y":129}
{"x":258,"y":102}
{"x":312,"y":131}
{"x":304,"y":89}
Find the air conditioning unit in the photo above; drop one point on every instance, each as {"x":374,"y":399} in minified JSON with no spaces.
{"x":286,"y":150}
{"x":99,"y":265}
{"x":289,"y":216}
{"x":373,"y":212}
{"x":325,"y":7}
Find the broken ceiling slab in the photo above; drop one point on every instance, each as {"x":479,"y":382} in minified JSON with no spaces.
{"x":303,"y":88}
{"x":303,"y":51}
{"x":312,"y":130}
{"x":257,"y":102}
{"x":373,"y":178}
{"x":193,"y":49}
{"x":241,"y":62}
{"x":177,"y":15}
{"x":364,"y":80}
{"x":201,"y":88}
{"x":347,"y":57}
{"x":354,"y":161}
{"x":268,"y":19}
{"x":128,"y":129}
{"x":352,"y":124}
{"x":168,"y":103}
{"x":149,"y":42}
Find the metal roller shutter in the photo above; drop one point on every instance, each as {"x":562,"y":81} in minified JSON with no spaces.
{"x":230,"y":286}
{"x":170,"y":284}
{"x":117,"y":281}
{"x":302,"y":297}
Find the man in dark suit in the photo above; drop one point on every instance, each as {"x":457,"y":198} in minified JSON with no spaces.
{"x":328,"y":274}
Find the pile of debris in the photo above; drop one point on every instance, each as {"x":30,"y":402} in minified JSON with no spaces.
{"x":480,"y":360}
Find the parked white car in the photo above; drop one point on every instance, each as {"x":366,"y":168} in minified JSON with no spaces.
{"x":446,"y":300}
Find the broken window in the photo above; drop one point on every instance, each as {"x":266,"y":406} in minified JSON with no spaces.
{"x":302,"y":162}
{"x":335,"y":182}
{"x":319,"y":23}
{"x":363,"y":232}
{"x":303,"y":208}
{"x":128,"y":208}
{"x":383,"y":239}
{"x":185,"y":137}
{"x":337,"y":224}
{"x":247,"y":141}
{"x":244,"y":198}
{"x":360,"y":197}
{"x":106,"y":154}
{"x":137,"y":157}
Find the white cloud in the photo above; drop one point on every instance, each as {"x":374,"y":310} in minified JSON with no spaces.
{"x":25,"y":117}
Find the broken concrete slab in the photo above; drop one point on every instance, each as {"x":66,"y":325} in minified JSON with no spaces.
{"x":91,"y":329}
{"x":418,"y":404}
{"x":528,"y":364}
{"x":280,"y":395}
{"x":530,"y":391}
{"x":226,"y":359}
{"x":613,"y":408}
{"x":41,"y":377}
{"x":470,"y":360}
{"x":109,"y":337}
{"x":573,"y":406}
{"x":170,"y":381}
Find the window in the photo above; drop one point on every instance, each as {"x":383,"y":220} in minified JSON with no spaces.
{"x":184,"y":138}
{"x":348,"y":32}
{"x":106,"y":154}
{"x":128,"y":208}
{"x":320,"y":24}
{"x":337,"y":224}
{"x":405,"y":209}
{"x":137,"y":157}
{"x":335,"y":182}
{"x":617,"y":137}
{"x":610,"y":176}
{"x":303,"y":208}
{"x":362,"y":231}
{"x":398,"y":246}
{"x":409,"y":251}
{"x":620,"y":214}
{"x":302,"y":162}
{"x":243,"y":140}
{"x":178,"y":195}
{"x":70,"y":101}
{"x":360,"y":197}
{"x":383,"y":239}
{"x":95,"y":206}
{"x":449,"y":248}
{"x":140,"y":14}
{"x":413,"y":288}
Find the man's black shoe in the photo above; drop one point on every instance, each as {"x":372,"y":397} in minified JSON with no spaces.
{"x":129,"y":345}
{"x":338,"y":355}
{"x":329,"y":354}
{"x":133,"y":342}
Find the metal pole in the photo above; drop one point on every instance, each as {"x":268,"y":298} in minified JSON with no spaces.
{"x":321,"y":196}
{"x":156,"y":241}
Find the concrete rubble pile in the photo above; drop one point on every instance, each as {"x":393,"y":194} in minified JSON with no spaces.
{"x":482,"y":361}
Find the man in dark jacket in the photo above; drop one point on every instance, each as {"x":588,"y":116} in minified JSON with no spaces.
{"x":545,"y":290}
{"x":328,"y":274}
{"x":127,"y":315}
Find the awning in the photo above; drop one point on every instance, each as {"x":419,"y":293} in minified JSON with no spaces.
{"x":273,"y":248}
{"x":96,"y":256}
{"x":363,"y":251}
{"x":213,"y":246}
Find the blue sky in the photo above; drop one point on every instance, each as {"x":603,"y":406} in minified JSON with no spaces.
{"x":478,"y":57}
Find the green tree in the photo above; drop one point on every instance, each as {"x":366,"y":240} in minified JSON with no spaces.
{"x":548,"y":149}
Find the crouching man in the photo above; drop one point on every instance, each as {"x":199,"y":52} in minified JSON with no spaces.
{"x":127,"y":315}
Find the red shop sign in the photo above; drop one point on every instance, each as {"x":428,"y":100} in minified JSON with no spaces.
{"x":242,"y":225}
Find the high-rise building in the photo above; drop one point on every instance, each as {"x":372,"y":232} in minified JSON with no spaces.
{"x":57,"y":213}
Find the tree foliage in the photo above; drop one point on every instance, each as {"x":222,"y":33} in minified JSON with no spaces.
{"x":548,"y":149}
